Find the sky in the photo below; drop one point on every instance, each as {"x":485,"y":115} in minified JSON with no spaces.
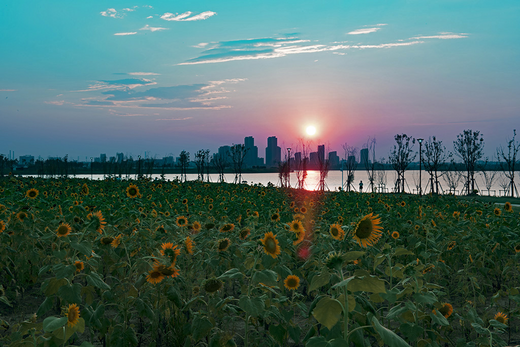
{"x":81,"y":78}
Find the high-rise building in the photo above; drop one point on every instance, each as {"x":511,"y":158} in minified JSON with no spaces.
{"x":224,"y":152}
{"x":120,"y":157}
{"x":102,"y":157}
{"x":321,"y":154}
{"x":273,"y":153}
{"x":26,"y":160}
{"x":251,"y":158}
{"x":314,"y":160}
{"x":351,"y":160}
{"x":297,"y":160}
{"x":333,"y":159}
{"x":363,"y":156}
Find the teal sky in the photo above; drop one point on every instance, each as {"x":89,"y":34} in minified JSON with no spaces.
{"x":89,"y":77}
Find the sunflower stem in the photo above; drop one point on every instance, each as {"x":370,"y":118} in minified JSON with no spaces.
{"x":345,"y":313}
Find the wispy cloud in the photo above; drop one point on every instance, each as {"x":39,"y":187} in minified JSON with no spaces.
{"x":185,"y":17}
{"x":177,"y":119}
{"x":201,"y":96}
{"x":125,"y":34}
{"x":443,"y":36}
{"x":363,"y":31}
{"x":128,"y":83}
{"x":111,"y":12}
{"x":152,"y":29}
{"x":57,"y":103}
{"x":7,"y":90}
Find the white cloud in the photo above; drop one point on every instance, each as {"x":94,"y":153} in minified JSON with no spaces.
{"x":201,"y":45}
{"x":149,"y":17}
{"x":124,"y":34}
{"x":130,"y":9}
{"x":152,"y":29}
{"x":148,"y":6}
{"x":443,"y":36}
{"x":143,"y":74}
{"x":111,"y":12}
{"x":185,"y":17}
{"x":363,"y":31}
{"x":58,"y":103}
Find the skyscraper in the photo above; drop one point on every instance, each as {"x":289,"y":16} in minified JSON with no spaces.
{"x":273,"y":153}
{"x":363,"y":156}
{"x":251,"y":158}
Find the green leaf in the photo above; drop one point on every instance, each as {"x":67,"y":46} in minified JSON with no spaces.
{"x":52,"y":323}
{"x":428,"y":298}
{"x":320,"y":280}
{"x":45,"y":306}
{"x":86,"y":344}
{"x":200,"y":327}
{"x":85,"y":248}
{"x":343,"y":283}
{"x":497,"y":324}
{"x":328,"y":312}
{"x":439,"y":318}
{"x":354,"y":255}
{"x":396,"y":311}
{"x":389,"y":337}
{"x":231,"y":274}
{"x":295,"y":333}
{"x":5,"y":301}
{"x":320,"y":341}
{"x":403,"y":251}
{"x":369,"y":284}
{"x":411,"y":331}
{"x":253,"y":306}
{"x":480,"y":329}
{"x":64,"y":271}
{"x":278,"y":332}
{"x":71,"y":293}
{"x":390,"y":295}
{"x":53,"y":285}
{"x":174,"y":296}
{"x":94,"y":280}
{"x":268,"y":277}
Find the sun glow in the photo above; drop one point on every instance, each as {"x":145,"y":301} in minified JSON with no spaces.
{"x":311,"y":130}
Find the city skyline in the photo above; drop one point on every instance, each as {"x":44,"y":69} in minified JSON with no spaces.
{"x":161,"y":77}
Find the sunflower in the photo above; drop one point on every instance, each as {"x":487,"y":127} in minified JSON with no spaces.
{"x":116,"y":241}
{"x":275,"y":217}
{"x":244,"y":233}
{"x":32,"y":193}
{"x":227,"y":227}
{"x":300,"y":235}
{"x":79,"y":266}
{"x":451,"y":245}
{"x":508,"y":207}
{"x":189,"y":245}
{"x":255,"y":214}
{"x":292,"y":282}
{"x":212,"y":285}
{"x":169,"y":250}
{"x":334,"y":260}
{"x":501,"y":317}
{"x":196,"y":227}
{"x":271,"y":244}
{"x":100,"y":221}
{"x":166,"y":271}
{"x":63,"y":230}
{"x":132,"y":191}
{"x":295,"y":226}
{"x":181,"y":221}
{"x":84,"y":189}
{"x":154,"y":276}
{"x":21,"y":216}
{"x":403,"y":204}
{"x":517,"y":248}
{"x":456,"y":214}
{"x":395,"y":235}
{"x":72,"y":315}
{"x":446,"y":310}
{"x":368,"y":231}
{"x":223,"y":244}
{"x":336,"y":232}
{"x":303,"y":210}
{"x":497,"y":211}
{"x":2,"y":226}
{"x":106,"y":240}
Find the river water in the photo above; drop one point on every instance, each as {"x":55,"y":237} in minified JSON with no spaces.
{"x":384,"y":181}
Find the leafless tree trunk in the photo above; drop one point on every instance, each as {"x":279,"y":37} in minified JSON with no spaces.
{"x":350,"y":165}
{"x":238,"y":154}
{"x":370,"y":163}
{"x":401,"y":157}
{"x":469,"y":146}
{"x":435,"y":157}
{"x":508,"y":162}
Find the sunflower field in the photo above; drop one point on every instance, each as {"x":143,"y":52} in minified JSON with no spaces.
{"x":160,"y":263}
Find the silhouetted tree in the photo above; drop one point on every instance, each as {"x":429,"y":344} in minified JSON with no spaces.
{"x":184,"y":159}
{"x":401,"y":157}
{"x":452,"y":176}
{"x":349,"y":165}
{"x":489,"y":175}
{"x":238,"y":154}
{"x":370,"y":162}
{"x":469,"y":146}
{"x":323,"y":167}
{"x":435,"y":156}
{"x":301,"y":164}
{"x":200,"y":161}
{"x":508,"y":162}
{"x":220,"y":163}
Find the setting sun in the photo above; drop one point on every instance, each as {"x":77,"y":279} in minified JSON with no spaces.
{"x":311,"y":130}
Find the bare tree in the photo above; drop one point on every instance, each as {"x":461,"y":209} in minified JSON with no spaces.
{"x":238,"y":154}
{"x":381,"y":176}
{"x":508,"y":162}
{"x":401,"y":157}
{"x":489,"y":176}
{"x":184,"y":159}
{"x":201,"y":158}
{"x":370,"y":162}
{"x":435,"y":156}
{"x":323,"y":167}
{"x":301,"y":164}
{"x":452,"y":177}
{"x":350,"y":165}
{"x":220,"y":163}
{"x":284,"y":172}
{"x":469,"y":146}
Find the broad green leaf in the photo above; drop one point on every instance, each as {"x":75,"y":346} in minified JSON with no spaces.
{"x":253,"y":306}
{"x":328,"y":312}
{"x":320,"y":341}
{"x":427,"y":298}
{"x":343,"y":283}
{"x":439,"y":318}
{"x":396,"y":311}
{"x":320,"y":280}
{"x":497,"y":324}
{"x":353,"y":255}
{"x":411,"y":331}
{"x":278,"y":332}
{"x":63,"y":271}
{"x":390,"y":295}
{"x":174,"y":296}
{"x":403,"y":251}
{"x":52,"y":323}
{"x":84,"y":247}
{"x":369,"y":284}
{"x":267,"y":277}
{"x":295,"y":333}
{"x":231,"y":274}
{"x":53,"y":285}
{"x":94,"y":280}
{"x":71,"y":293}
{"x":200,"y":327}
{"x":389,"y":337}
{"x":480,"y":329}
